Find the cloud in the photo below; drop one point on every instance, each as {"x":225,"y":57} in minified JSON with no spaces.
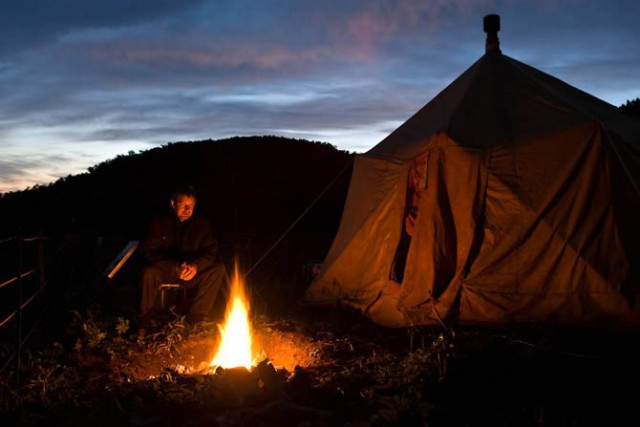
{"x":90,"y":78}
{"x":27,"y":24}
{"x":19,"y":172}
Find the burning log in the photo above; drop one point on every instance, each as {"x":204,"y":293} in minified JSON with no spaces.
{"x":258,"y":389}
{"x":262,"y":395}
{"x":241,"y":383}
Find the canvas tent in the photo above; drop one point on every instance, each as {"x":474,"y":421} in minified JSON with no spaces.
{"x":511,"y":197}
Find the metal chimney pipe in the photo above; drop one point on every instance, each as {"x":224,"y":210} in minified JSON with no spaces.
{"x":491,"y":24}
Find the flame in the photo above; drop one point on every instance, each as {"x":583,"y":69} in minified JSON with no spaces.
{"x":234,"y":349}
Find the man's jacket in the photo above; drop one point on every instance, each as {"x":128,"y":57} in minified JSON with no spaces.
{"x":169,"y":242}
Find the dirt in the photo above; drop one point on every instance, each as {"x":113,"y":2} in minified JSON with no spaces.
{"x":283,"y":349}
{"x":335,"y":369}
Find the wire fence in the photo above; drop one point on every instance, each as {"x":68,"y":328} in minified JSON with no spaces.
{"x":22,"y":283}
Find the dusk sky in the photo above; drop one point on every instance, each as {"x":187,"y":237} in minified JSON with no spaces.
{"x":83,"y":81}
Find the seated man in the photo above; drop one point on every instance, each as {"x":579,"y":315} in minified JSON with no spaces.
{"x":180,"y":248}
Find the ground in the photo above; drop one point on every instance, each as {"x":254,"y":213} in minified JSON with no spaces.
{"x":323,"y":368}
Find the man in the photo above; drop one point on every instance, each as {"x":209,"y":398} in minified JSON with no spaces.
{"x":180,"y":248}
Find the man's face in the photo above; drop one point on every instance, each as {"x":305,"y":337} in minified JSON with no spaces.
{"x":183,"y":207}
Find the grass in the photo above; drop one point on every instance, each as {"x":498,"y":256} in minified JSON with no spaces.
{"x":350,"y":373}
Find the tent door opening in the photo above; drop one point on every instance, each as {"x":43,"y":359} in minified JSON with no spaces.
{"x":416,"y":184}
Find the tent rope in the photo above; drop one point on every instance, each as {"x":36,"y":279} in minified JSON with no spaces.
{"x":620,"y":158}
{"x":439,"y":318}
{"x":344,"y":168}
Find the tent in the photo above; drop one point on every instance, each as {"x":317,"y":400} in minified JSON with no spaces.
{"x":511,"y":197}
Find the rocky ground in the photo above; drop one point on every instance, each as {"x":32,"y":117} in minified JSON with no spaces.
{"x":325,"y":368}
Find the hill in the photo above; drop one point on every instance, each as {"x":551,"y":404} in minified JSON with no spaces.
{"x":234,"y":177}
{"x":252,"y":189}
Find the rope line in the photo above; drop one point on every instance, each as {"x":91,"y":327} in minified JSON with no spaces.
{"x":300,"y":217}
{"x":22,"y":276}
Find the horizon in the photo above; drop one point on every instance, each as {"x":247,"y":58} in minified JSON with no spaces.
{"x":142,"y":151}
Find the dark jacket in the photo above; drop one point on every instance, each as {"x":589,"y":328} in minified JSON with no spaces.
{"x":169,"y":242}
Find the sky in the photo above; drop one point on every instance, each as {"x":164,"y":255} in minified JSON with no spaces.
{"x":84,"y":81}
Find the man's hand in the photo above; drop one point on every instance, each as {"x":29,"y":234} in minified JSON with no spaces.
{"x":186,"y":271}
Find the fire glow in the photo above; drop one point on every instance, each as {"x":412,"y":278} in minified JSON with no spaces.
{"x":235,"y":345}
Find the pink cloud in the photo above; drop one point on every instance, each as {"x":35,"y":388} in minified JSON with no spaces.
{"x":270,"y":56}
{"x":382,"y":20}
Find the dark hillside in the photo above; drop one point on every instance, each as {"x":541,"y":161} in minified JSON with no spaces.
{"x":252,"y":189}
{"x":235,"y":177}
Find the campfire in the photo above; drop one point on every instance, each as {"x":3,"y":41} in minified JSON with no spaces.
{"x":235,"y":347}
{"x":245,"y":379}
{"x":242,"y":341}
{"x":242,"y":374}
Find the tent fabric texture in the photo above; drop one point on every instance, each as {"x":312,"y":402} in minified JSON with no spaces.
{"x":511,"y":197}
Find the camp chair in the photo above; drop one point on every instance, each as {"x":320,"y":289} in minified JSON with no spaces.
{"x":170,"y":293}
